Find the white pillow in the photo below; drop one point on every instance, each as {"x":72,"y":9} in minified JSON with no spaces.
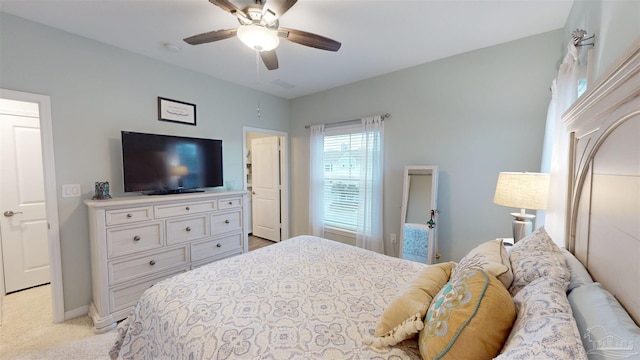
{"x":600,"y":316}
{"x":579,"y":274}
{"x":490,"y":256}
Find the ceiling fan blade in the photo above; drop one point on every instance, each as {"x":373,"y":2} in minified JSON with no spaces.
{"x":225,"y":5}
{"x":270,"y":59}
{"x":279,"y":7}
{"x":309,"y":39}
{"x":211,"y":36}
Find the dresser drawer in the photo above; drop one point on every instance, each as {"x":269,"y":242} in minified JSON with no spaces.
{"x":127,"y":216}
{"x":163,"y":211}
{"x":126,"y":296}
{"x":229,"y":203}
{"x":187,"y":229}
{"x":121,"y":271}
{"x":132,"y":239}
{"x":212,"y":248}
{"x":223,"y":223}
{"x":195,"y":265}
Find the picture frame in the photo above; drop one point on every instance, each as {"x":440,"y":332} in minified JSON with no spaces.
{"x":176,"y":111}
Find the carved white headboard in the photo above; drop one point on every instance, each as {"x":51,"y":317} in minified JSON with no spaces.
{"x":604,"y":181}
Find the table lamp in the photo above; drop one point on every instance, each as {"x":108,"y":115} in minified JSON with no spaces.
{"x":523,"y":190}
{"x":180,"y":171}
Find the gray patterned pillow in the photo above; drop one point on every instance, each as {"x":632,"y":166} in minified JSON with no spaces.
{"x":544,"y":327}
{"x":534,"y":257}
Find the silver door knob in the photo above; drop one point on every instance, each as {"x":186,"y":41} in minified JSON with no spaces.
{"x":10,"y":213}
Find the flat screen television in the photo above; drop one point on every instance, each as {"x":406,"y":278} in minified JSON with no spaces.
{"x":163,"y":164}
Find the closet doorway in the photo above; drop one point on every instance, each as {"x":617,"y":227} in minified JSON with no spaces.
{"x":42,"y":103}
{"x":265,"y":178}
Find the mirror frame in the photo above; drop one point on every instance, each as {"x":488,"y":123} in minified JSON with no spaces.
{"x":432,"y":246}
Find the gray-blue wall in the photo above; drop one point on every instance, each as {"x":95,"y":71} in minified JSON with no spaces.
{"x":96,"y":91}
{"x":472,"y":115}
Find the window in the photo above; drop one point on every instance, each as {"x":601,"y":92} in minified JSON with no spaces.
{"x":582,"y":86}
{"x":342,"y":157}
{"x":346,"y":181}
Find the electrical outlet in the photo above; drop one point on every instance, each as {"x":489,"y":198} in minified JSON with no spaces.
{"x":393,"y":238}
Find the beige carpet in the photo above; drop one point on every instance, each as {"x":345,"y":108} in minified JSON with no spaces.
{"x":28,"y":331}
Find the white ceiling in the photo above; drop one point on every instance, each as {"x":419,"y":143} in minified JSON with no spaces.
{"x":377,"y":36}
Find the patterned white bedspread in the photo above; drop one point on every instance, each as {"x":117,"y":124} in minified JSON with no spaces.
{"x":304,"y":298}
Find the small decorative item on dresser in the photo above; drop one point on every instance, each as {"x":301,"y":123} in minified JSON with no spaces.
{"x":102,"y":191}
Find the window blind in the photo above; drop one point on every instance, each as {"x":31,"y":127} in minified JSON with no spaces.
{"x":342,"y":169}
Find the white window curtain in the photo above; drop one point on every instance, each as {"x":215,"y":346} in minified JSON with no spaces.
{"x":369,"y":233}
{"x":316,"y":181}
{"x":555,"y":152}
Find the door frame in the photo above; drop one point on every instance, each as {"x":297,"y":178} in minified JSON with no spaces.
{"x":51,"y":198}
{"x":284,"y":174}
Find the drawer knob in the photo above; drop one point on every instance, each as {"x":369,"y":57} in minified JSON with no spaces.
{"x":187,"y":208}
{"x":218,"y":245}
{"x":188,"y":228}
{"x":230,"y":203}
{"x":152,"y":262}
{"x":129,"y":216}
{"x":227,"y":221}
{"x":136,"y":238}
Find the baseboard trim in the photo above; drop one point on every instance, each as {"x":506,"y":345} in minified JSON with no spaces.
{"x":77,"y":312}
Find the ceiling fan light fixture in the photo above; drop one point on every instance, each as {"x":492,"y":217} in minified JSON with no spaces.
{"x":258,"y":37}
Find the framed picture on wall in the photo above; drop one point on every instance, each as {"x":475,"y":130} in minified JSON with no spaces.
{"x":176,"y":111}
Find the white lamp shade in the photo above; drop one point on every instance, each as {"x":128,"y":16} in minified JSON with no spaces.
{"x":522,"y":190}
{"x":258,"y":37}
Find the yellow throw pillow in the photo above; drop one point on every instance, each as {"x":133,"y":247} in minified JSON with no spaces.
{"x":403,"y":316}
{"x":470,"y":318}
{"x":491,"y":257}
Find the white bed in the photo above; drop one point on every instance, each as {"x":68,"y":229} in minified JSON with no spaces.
{"x":303,"y":298}
{"x":313,"y":298}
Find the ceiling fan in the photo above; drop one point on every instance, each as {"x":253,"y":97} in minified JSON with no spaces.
{"x":260,"y":30}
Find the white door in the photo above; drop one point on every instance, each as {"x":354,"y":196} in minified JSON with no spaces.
{"x":23,"y":224}
{"x":265,"y":172}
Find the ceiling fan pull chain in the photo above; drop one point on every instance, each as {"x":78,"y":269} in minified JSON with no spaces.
{"x":258,"y":80}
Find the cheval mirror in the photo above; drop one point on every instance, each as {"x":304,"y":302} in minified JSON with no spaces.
{"x":418,"y":230}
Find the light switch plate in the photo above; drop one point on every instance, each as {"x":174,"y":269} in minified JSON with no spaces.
{"x":71,"y":190}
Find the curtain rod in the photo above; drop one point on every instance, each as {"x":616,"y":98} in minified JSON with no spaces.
{"x":383,"y":116}
{"x":580,"y":35}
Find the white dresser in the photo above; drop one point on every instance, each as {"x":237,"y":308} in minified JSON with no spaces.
{"x":137,"y":241}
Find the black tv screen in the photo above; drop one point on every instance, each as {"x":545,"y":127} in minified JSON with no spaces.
{"x":163,"y":164}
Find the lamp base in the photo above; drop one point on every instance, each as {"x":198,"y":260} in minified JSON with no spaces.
{"x":522,"y":225}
